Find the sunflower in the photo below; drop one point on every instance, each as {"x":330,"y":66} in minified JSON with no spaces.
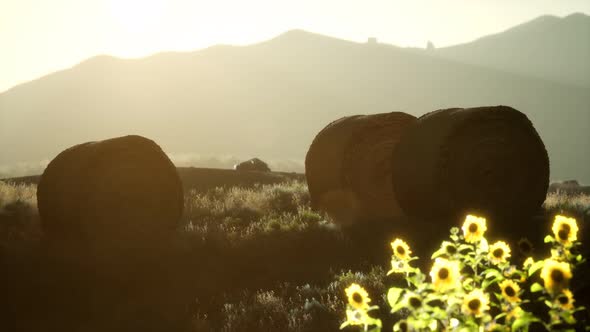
{"x":445,"y":274}
{"x":555,"y":275}
{"x":401,"y":326}
{"x":565,"y":300}
{"x":514,"y":314}
{"x":476,"y":303}
{"x":565,"y":229}
{"x":357,"y":317}
{"x":401,"y":249}
{"x":498,"y":252}
{"x":398,"y":266}
{"x":358,"y":297}
{"x":510,"y":290}
{"x":525,"y":246}
{"x":413,"y":301}
{"x":473,"y":228}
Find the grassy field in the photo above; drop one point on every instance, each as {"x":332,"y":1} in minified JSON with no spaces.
{"x":255,"y":259}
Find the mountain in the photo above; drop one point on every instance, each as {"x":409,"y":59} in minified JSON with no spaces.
{"x":548,"y":47}
{"x":269,"y":100}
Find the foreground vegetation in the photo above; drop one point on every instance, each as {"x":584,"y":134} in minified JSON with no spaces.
{"x":474,"y":285}
{"x":245,"y":259}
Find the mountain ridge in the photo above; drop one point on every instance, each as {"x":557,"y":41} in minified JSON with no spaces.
{"x":270,"y":99}
{"x":548,"y":47}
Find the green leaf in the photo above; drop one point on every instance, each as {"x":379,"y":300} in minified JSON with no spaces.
{"x":536,"y":287}
{"x":500,"y":315}
{"x":488,"y":282}
{"x":393,"y":296}
{"x":548,"y":239}
{"x":467,"y":282}
{"x":492,"y":273}
{"x":398,"y":307}
{"x":498,"y":297}
{"x":579,"y":258}
{"x":535,"y":267}
{"x":465,"y":247}
{"x":438,"y":253}
{"x":519,"y":323}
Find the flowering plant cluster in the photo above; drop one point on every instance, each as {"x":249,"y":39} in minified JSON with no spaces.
{"x":472,"y":285}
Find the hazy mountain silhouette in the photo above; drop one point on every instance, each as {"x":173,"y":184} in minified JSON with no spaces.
{"x":270,"y":99}
{"x":548,"y":47}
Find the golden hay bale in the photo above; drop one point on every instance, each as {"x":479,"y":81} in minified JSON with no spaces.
{"x":113,"y":195}
{"x":348,"y":167}
{"x":486,"y":160}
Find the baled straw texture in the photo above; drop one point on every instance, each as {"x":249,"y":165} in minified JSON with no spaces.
{"x":348,"y":167}
{"x":116,"y":194}
{"x":486,"y":160}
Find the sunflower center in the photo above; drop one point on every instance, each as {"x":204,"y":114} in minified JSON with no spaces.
{"x":473,"y":228}
{"x":557,"y":275}
{"x":564,"y":232}
{"x":401,"y":250}
{"x":451,"y":249}
{"x":525,"y":246}
{"x":498,"y":253}
{"x":509,"y":291}
{"x":474,"y":304}
{"x":562,"y":299}
{"x":403,"y":326}
{"x":415,"y":302}
{"x":358,"y":298}
{"x":443,"y":273}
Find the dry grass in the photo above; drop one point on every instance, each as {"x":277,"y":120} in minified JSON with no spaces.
{"x":249,"y":259}
{"x":19,"y":220}
{"x":559,"y":201}
{"x":12,"y":194}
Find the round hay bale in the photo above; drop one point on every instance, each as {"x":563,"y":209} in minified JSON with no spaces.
{"x":110,"y":196}
{"x":253,"y":164}
{"x":348,"y":167}
{"x":485,"y":160}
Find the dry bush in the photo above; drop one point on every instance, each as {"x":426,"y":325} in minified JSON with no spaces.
{"x":19,"y":220}
{"x":11,"y":194}
{"x":561,"y":201}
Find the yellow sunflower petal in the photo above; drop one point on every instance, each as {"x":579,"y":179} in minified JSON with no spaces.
{"x":476,"y":303}
{"x":510,"y":290}
{"x":401,"y":249}
{"x":555,"y":275}
{"x":473,"y":228}
{"x":565,"y":300}
{"x":358,"y":297}
{"x":565,"y":229}
{"x":445,"y":274}
{"x":499,"y":252}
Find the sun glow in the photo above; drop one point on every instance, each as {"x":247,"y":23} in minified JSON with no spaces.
{"x":138,"y":16}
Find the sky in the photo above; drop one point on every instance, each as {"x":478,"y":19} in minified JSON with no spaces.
{"x":38,"y":37}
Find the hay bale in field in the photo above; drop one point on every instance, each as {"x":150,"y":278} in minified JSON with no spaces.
{"x":487,"y":160}
{"x":112,"y":195}
{"x":253,"y":164}
{"x":348,"y":167}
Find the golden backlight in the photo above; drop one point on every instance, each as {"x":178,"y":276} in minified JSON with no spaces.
{"x":138,"y":16}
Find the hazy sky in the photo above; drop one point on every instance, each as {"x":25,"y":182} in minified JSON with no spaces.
{"x":41,"y":36}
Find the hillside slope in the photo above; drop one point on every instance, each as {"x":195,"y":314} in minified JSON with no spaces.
{"x":548,"y":47}
{"x":270,"y":99}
